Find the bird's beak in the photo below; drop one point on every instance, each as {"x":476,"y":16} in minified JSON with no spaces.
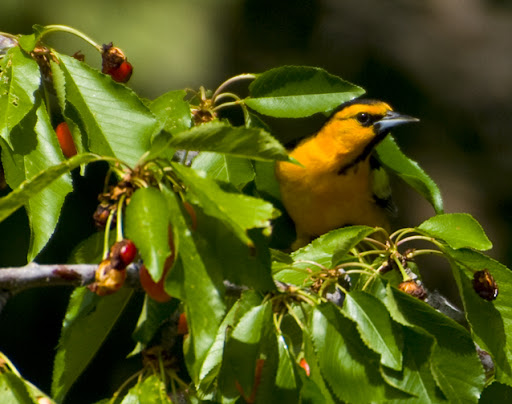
{"x":391,"y":120}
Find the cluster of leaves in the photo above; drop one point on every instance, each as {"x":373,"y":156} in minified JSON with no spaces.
{"x":322,"y":324}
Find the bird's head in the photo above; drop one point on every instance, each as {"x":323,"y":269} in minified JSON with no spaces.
{"x":359,"y":125}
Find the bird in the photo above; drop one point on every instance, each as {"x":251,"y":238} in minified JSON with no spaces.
{"x":335,"y":180}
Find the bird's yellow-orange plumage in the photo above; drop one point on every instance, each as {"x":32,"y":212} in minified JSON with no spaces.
{"x":333,"y":186}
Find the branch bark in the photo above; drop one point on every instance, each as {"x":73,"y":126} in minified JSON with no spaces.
{"x":16,"y":279}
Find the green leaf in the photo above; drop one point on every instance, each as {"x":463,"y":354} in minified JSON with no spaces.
{"x":151,"y":390}
{"x":70,"y":114}
{"x":29,"y":188}
{"x":285,"y":378}
{"x":19,"y":80}
{"x":151,"y":318}
{"x":231,"y":254}
{"x":116,"y":121}
{"x":172,"y":111}
{"x":242,"y":351}
{"x":35,"y":149}
{"x":455,"y":365}
{"x":265,"y":179}
{"x":13,"y":390}
{"x":237,"y":171}
{"x":317,"y":385}
{"x":392,"y":158}
{"x":491,"y":322}
{"x":329,"y":248}
{"x":196,"y":279}
{"x":345,"y":362}
{"x":238,"y":212}
{"x":458,"y":230}
{"x":416,"y":377}
{"x":89,"y":319}
{"x":147,"y":225}
{"x":221,"y":137}
{"x":212,"y":363}
{"x":298,"y":91}
{"x":29,"y":42}
{"x":375,"y":326}
{"x":90,"y":249}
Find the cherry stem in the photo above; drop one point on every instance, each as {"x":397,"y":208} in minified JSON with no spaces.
{"x":230,"y":81}
{"x":323,"y":268}
{"x":405,"y":275}
{"x":120,"y":236}
{"x":424,"y":252}
{"x":123,"y":386}
{"x":376,"y":243}
{"x":106,"y":244}
{"x":292,"y":313}
{"x":56,"y":28}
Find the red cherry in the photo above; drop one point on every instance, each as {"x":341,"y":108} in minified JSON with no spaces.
{"x":65,"y":140}
{"x":127,"y":252}
{"x":122,"y":73}
{"x":182,"y":324}
{"x":192,"y":213}
{"x":305,"y":365}
{"x":122,"y":253}
{"x":156,"y":290}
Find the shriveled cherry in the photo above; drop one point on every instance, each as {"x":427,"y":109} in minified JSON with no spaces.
{"x":108,"y":280}
{"x":485,"y":285}
{"x":65,"y":140}
{"x":414,"y":289}
{"x":114,"y":63}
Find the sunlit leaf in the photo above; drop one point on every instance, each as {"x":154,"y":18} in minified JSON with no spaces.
{"x":329,"y":248}
{"x":172,"y":111}
{"x":218,"y":136}
{"x":36,"y":149}
{"x":150,"y":391}
{"x":459,"y":230}
{"x":197,"y":280}
{"x":13,"y":390}
{"x":27,"y":189}
{"x":392,"y":158}
{"x":242,"y":351}
{"x":345,"y":362}
{"x":116,"y":121}
{"x":455,"y":366}
{"x":237,"y":171}
{"x":239,"y":212}
{"x":298,"y":91}
{"x":375,"y":326}
{"x":147,"y":225}
{"x":19,"y":79}
{"x":89,"y":319}
{"x":491,"y":322}
{"x":416,"y":378}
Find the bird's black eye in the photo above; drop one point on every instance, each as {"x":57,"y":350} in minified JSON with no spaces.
{"x":363,"y":118}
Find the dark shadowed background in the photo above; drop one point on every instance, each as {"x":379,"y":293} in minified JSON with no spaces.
{"x":448,"y":63}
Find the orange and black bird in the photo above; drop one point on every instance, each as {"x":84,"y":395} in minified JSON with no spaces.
{"x":338,"y":181}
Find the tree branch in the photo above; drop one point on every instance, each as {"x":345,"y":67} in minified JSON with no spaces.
{"x":34,"y":275}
